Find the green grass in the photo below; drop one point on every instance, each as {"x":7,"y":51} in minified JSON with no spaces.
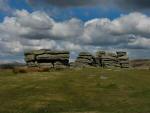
{"x":76,"y":91}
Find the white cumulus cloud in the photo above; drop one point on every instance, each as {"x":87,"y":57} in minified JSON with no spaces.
{"x":37,"y":30}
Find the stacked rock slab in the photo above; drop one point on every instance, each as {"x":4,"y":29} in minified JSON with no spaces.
{"x":123,"y":59}
{"x":109,"y":60}
{"x":98,"y":58}
{"x":85,"y":59}
{"x":47,"y":58}
{"x":106,"y":59}
{"x":30,"y":59}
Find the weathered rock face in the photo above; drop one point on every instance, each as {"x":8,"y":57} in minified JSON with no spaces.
{"x":85,"y":59}
{"x":60,"y":59}
{"x":123,"y":59}
{"x":107,"y":59}
{"x":30,"y":59}
{"x":47,"y":58}
{"x":98,"y":57}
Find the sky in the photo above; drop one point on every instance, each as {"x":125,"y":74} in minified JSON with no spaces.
{"x":75,"y":26}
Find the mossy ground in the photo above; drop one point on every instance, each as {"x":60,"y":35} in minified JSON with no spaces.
{"x":91,"y":90}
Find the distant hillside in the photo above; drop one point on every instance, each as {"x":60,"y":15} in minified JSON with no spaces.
{"x":11,"y":65}
{"x":140,"y":63}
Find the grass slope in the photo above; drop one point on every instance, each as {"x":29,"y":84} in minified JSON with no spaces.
{"x":76,"y":91}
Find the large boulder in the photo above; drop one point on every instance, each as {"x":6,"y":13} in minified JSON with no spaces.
{"x":100,"y":53}
{"x":60,"y":65}
{"x":35,"y":52}
{"x":46,"y":65}
{"x":30,"y":57}
{"x":53,"y":57}
{"x":85,"y":59}
{"x":46,"y":58}
{"x":106,"y":59}
{"x":121,"y":53}
{"x":123,"y":59}
{"x":32,"y":64}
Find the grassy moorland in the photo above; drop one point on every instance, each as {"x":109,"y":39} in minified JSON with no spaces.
{"x":76,"y":91}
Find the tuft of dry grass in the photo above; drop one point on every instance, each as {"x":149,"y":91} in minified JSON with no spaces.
{"x":30,"y":69}
{"x":20,"y":70}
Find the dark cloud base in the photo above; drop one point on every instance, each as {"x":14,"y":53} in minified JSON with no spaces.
{"x":123,"y":4}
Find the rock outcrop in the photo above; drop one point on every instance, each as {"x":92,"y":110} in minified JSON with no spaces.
{"x":98,"y":58}
{"x":60,"y":59}
{"x":123,"y":59}
{"x":47,"y":58}
{"x":108,"y":59}
{"x":85,"y":59}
